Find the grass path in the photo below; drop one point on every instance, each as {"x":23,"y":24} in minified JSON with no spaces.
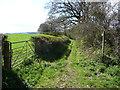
{"x":68,"y":75}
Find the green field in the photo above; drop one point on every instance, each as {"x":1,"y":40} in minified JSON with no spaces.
{"x":22,"y":37}
{"x":19,"y":37}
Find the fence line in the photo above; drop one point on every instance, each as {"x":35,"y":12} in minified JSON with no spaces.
{"x":20,"y":41}
{"x":13,"y":56}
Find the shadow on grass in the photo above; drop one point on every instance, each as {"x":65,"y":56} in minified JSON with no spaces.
{"x":109,"y":61}
{"x":56,"y":52}
{"x":10,"y":79}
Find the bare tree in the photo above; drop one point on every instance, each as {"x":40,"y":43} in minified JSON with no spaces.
{"x":78,"y":12}
{"x":100,"y":13}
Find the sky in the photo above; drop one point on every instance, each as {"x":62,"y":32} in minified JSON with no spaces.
{"x":22,"y":15}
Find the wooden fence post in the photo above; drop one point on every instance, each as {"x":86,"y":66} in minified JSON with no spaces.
{"x":7,"y":55}
{"x":0,"y":62}
{"x":103,"y":43}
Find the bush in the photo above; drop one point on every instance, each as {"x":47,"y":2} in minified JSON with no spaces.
{"x":51,"y":47}
{"x":89,"y":40}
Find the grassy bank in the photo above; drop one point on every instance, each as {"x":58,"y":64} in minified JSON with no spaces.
{"x":92,"y":74}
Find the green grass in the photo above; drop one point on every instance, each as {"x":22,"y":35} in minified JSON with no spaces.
{"x":23,"y":37}
{"x":92,"y":74}
{"x":86,"y":73}
{"x":37,"y":73}
{"x":42,"y":75}
{"x":19,"y":37}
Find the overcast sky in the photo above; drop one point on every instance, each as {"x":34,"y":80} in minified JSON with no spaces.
{"x":22,"y":15}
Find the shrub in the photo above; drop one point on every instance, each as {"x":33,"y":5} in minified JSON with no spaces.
{"x":50,"y":47}
{"x":89,"y":40}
